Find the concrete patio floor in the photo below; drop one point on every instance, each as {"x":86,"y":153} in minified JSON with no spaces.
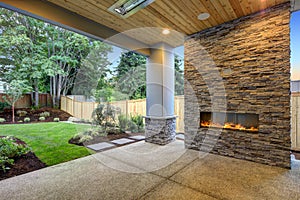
{"x":147,"y":171}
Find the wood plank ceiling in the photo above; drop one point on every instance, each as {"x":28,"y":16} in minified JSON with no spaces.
{"x":177,"y":15}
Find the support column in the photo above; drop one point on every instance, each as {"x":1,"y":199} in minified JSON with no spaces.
{"x":160,"y":119}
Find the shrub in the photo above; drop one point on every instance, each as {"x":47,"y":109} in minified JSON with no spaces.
{"x":2,"y":120}
{"x":26,"y":119}
{"x":123,"y":122}
{"x":56,"y":119}
{"x":134,"y":124}
{"x":138,"y":120}
{"x":9,"y":150}
{"x":44,"y":114}
{"x":113,"y":130}
{"x":132,"y":127}
{"x":56,"y":107}
{"x":21,"y":113}
{"x":85,"y":136}
{"x":42,"y":118}
{"x":35,"y":107}
{"x":5,"y":162}
{"x":3,"y":105}
{"x":104,"y":115}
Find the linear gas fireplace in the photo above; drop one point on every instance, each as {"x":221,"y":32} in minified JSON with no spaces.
{"x":234,"y":121}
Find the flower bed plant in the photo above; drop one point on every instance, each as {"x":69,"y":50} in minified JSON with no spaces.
{"x":56,"y":119}
{"x":45,"y":114}
{"x":26,"y":119}
{"x":21,"y":113}
{"x":9,"y":150}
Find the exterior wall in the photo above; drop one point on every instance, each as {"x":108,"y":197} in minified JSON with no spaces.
{"x":242,"y":66}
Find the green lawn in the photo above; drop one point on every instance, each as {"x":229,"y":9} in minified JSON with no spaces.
{"x":49,"y":141}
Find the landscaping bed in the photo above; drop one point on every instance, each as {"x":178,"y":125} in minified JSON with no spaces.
{"x":34,"y":115}
{"x":23,"y":164}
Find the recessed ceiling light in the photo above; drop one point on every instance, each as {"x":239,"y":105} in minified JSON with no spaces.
{"x":203,"y":16}
{"x":166,"y":31}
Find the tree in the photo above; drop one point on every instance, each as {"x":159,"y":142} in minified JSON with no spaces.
{"x":66,"y":50}
{"x":21,"y":47}
{"x":179,"y":77}
{"x":14,"y":91}
{"x":93,"y":71}
{"x":48,"y":57}
{"x":130,"y":75}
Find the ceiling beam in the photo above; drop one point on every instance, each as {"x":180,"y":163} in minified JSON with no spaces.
{"x":64,"y":18}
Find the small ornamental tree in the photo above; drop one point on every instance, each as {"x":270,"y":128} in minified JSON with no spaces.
{"x":14,"y":91}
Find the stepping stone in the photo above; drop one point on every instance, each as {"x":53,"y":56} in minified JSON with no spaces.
{"x":180,"y":136}
{"x":100,"y":146}
{"x":137,"y":137}
{"x":122,"y":141}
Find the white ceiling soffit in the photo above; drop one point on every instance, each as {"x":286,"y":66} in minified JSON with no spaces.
{"x":295,"y":5}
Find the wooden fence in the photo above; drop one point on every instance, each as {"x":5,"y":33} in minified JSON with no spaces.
{"x":295,"y":121}
{"x":25,"y":101}
{"x":83,"y":110}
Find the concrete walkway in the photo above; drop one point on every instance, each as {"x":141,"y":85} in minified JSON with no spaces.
{"x":147,"y":171}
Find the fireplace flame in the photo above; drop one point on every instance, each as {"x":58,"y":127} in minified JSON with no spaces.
{"x":227,"y":125}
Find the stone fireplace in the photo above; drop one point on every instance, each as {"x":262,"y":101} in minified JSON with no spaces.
{"x":237,"y":90}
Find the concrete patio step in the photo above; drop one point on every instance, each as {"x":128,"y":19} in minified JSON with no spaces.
{"x":100,"y":146}
{"x":122,"y":141}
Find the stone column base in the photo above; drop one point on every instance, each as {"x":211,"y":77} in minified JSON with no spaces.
{"x":160,"y":130}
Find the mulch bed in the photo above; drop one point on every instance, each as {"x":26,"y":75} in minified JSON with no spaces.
{"x":33,"y":114}
{"x":24,"y":164}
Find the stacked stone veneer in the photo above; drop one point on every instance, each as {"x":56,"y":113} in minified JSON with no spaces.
{"x":242,"y":66}
{"x":160,"y":130}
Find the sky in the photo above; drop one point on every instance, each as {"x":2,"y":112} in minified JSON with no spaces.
{"x":295,"y":46}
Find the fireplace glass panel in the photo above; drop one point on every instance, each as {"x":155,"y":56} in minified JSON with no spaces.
{"x":233,"y":121}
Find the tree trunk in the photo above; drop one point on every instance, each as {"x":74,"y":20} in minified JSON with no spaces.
{"x":54,"y":91}
{"x":36,"y":93}
{"x":59,"y":86}
{"x":51,"y":91}
{"x":32,"y":98}
{"x":13,"y":112}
